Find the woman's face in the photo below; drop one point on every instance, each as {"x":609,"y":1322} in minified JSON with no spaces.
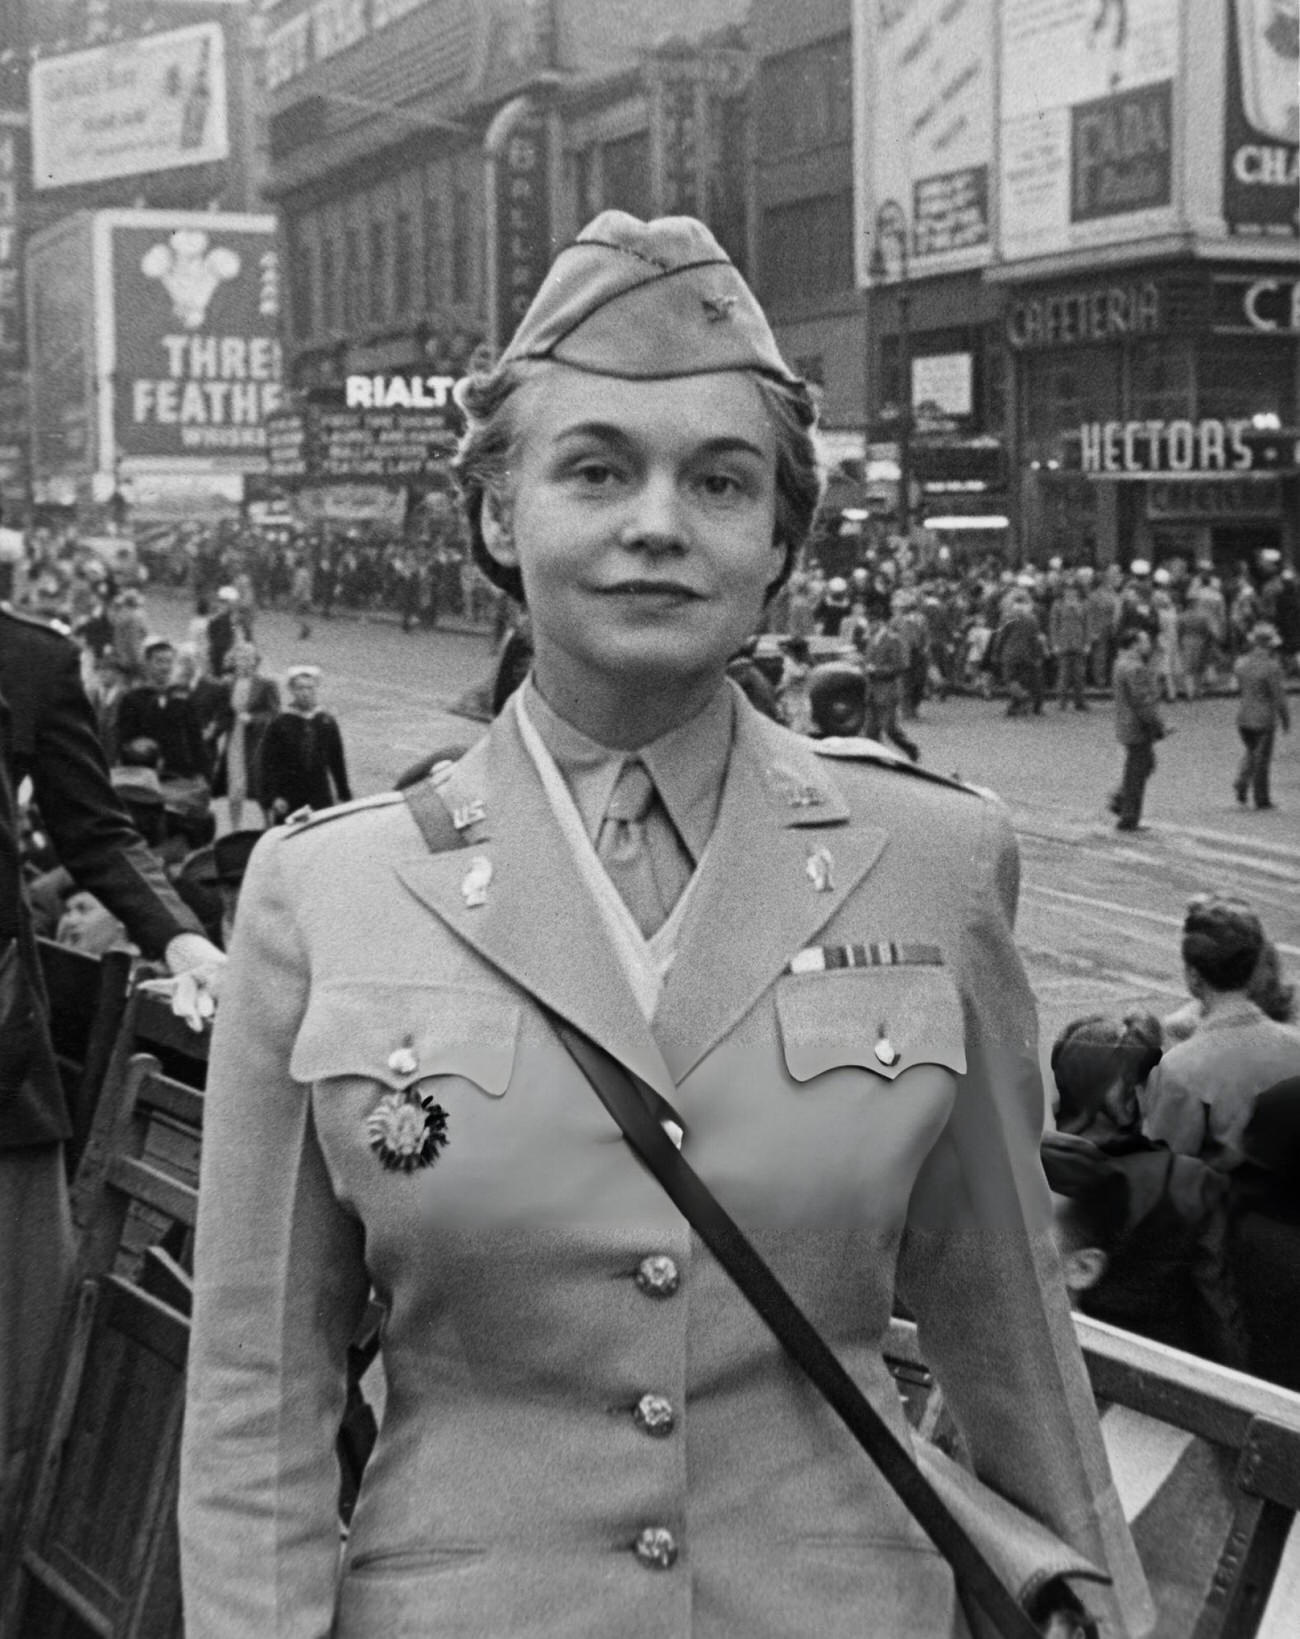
{"x":640,"y":515}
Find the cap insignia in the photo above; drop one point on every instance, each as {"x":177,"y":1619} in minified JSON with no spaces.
{"x":717,"y":307}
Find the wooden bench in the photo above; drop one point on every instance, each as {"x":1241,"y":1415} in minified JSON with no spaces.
{"x":87,"y":1001}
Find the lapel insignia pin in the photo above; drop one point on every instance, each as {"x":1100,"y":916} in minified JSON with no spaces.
{"x":821,"y":870}
{"x":406,"y":1132}
{"x":474,"y":885}
{"x":717,"y":307}
{"x":402,"y":1060}
{"x":886,"y":1052}
{"x":469,"y":813}
{"x":785,"y":783}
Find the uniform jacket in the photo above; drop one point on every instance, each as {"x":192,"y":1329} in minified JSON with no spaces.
{"x":1137,"y":713}
{"x":170,"y":718}
{"x":1262,"y":702}
{"x":511,"y":1476}
{"x":47,"y":732}
{"x":1067,"y":626}
{"x":300,"y":762}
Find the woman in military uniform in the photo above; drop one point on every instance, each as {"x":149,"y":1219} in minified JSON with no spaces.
{"x":587,"y":1431}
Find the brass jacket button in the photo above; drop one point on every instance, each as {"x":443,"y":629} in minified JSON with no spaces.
{"x":657,"y":1276}
{"x":654,"y":1414}
{"x":656,"y":1547}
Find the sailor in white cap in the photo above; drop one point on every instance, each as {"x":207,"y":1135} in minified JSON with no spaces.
{"x":806,"y":956}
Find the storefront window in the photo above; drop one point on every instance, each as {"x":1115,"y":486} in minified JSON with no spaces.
{"x":378,"y":271}
{"x":1241,"y":376}
{"x":1160,"y":380}
{"x":329,"y":287}
{"x":1062,"y":391}
{"x":403,"y":263}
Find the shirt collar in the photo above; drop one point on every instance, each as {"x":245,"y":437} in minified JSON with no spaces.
{"x":688,"y":765}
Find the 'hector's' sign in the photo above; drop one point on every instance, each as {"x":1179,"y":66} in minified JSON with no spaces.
{"x":1134,"y":447}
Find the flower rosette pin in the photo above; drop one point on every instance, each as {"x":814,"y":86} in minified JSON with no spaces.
{"x":406,"y":1132}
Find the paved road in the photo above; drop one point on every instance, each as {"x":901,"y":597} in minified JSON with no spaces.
{"x":1100,"y":913}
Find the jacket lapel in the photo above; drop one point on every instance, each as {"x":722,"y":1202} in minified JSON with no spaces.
{"x":538,"y":923}
{"x":756,"y":901}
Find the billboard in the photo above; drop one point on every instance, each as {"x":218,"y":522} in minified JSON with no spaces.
{"x":923,"y":111}
{"x":189,"y":341}
{"x":1261,"y":174}
{"x":152,"y":103}
{"x":1087,"y":122}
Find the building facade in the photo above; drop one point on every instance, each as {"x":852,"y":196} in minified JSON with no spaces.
{"x":427,"y":158}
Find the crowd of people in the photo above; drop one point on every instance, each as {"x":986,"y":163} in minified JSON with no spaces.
{"x":1175,"y":1159}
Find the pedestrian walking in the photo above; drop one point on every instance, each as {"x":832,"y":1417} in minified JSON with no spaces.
{"x":250,"y":705}
{"x":162,"y":710}
{"x":1138,"y":725}
{"x":300,"y":596}
{"x":1018,"y":645}
{"x":1262,"y":709}
{"x":302,"y":761}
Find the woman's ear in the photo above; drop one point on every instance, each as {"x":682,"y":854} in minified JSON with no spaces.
{"x":495,"y":527}
{"x":1083,"y":1268}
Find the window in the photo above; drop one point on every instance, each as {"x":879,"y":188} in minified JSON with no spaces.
{"x":378,"y":281}
{"x":354,"y":280}
{"x":1062,"y":391}
{"x":460,"y":244}
{"x":625,"y":174}
{"x":329,"y":287}
{"x":403,"y":264}
{"x":1244,"y":376}
{"x":302,"y":285}
{"x":806,"y":99}
{"x":435,"y":274}
{"x":807,"y":248}
{"x":1160,"y":380}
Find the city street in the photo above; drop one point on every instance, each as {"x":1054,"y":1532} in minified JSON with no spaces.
{"x":1099,"y":914}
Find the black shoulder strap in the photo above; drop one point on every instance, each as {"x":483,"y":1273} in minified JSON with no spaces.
{"x":429,"y":812}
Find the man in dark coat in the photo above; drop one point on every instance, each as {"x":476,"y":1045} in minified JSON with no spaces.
{"x":163,"y":711}
{"x":47,"y":734}
{"x":1020,"y":655}
{"x":1138,"y":725}
{"x":302,"y":752}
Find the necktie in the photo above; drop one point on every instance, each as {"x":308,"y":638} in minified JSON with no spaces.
{"x":639,"y":848}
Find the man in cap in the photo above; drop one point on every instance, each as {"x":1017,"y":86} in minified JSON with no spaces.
{"x":1138,"y":725}
{"x":223,"y":629}
{"x":302,"y":751}
{"x":1261,"y":710}
{"x":161,"y":710}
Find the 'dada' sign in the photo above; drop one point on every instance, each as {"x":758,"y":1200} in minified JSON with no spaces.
{"x":195,"y":315}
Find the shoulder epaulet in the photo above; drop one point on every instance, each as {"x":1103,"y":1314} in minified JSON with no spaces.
{"x":871,"y":751}
{"x":308,"y":819}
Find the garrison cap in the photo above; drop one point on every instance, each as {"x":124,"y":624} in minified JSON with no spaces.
{"x":647,"y":301}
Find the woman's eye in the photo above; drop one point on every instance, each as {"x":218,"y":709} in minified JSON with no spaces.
{"x":594,"y":474}
{"x":721,"y":485}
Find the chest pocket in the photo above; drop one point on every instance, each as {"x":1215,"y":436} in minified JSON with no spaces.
{"x":397,"y":1035}
{"x":869,"y":1017}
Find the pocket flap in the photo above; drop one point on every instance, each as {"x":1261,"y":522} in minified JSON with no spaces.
{"x":401,"y":1034}
{"x":882,"y":1019}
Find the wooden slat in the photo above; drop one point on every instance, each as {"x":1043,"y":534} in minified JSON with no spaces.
{"x":184,"y":1104}
{"x":65,"y":1591}
{"x":154,"y":1188}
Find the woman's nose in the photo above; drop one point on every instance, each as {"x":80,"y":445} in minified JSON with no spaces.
{"x":654,"y":522}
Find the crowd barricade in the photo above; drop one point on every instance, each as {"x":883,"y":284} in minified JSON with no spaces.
{"x":1207,"y":1466}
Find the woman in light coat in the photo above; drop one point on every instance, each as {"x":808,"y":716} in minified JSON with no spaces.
{"x":587,"y":1432}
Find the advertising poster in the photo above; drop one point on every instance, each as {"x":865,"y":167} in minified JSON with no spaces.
{"x":1087,"y":122}
{"x":195,"y":355}
{"x":923,"y":98}
{"x":1261,"y":175}
{"x":154,"y":103}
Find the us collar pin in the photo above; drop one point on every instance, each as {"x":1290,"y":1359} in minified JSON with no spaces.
{"x":796,"y":792}
{"x":821,"y":870}
{"x":469,"y":813}
{"x":474,"y":885}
